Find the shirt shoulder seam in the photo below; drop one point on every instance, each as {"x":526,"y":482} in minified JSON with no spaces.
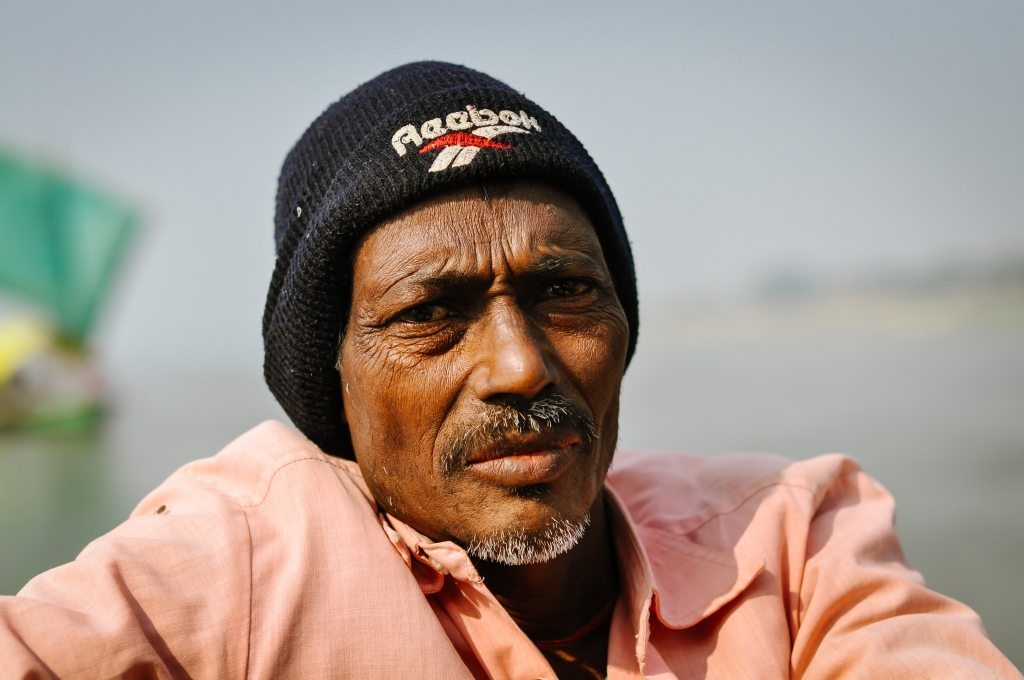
{"x":264,"y":492}
{"x":252,"y":595}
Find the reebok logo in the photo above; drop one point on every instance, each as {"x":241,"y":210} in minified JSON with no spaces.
{"x":457,"y":146}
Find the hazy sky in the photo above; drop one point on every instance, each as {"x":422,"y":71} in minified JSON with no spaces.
{"x":740,"y":138}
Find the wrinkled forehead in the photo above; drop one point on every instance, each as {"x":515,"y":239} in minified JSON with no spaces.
{"x":479,"y":226}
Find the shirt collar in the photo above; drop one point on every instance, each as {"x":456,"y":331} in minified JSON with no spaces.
{"x":420,"y":553}
{"x":682,"y":582}
{"x":428,"y":561}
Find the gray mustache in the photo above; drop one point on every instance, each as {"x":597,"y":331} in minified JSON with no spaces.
{"x":550,"y":412}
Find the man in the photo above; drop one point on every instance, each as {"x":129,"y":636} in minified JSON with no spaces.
{"x":448,"y":323}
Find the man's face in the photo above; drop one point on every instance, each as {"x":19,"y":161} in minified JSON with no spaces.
{"x":481,"y":368}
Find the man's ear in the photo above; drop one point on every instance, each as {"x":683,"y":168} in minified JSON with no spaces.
{"x":344,"y":389}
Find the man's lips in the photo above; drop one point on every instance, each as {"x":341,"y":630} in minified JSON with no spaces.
{"x":526,"y":460}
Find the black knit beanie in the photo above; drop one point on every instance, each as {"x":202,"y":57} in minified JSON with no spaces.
{"x":408,"y":133}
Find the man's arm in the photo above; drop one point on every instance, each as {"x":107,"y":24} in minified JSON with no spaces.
{"x":166,"y":595}
{"x":865,"y":614}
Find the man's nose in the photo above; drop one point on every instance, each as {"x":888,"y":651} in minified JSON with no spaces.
{"x":514,"y":356}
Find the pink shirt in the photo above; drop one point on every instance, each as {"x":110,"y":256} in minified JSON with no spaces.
{"x":270,"y":560}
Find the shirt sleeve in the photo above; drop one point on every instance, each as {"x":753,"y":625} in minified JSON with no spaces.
{"x":864,"y":614}
{"x":164,"y":595}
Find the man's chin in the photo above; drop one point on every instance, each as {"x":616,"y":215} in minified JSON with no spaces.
{"x":517,"y":547}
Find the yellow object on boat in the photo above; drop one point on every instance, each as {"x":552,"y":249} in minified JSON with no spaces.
{"x":21,"y":339}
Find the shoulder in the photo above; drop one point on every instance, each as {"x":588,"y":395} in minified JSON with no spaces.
{"x":245,"y":471}
{"x":268,"y":494}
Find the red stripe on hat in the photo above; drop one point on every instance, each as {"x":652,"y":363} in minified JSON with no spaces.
{"x":462,"y":139}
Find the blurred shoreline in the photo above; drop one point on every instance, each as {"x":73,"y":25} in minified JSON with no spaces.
{"x":930,"y":299}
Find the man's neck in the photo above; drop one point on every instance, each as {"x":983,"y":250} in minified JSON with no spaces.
{"x":556,"y":599}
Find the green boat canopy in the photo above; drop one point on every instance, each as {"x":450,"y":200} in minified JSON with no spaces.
{"x":60,"y":243}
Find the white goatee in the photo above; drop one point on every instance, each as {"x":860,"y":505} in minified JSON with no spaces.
{"x":515,"y":547}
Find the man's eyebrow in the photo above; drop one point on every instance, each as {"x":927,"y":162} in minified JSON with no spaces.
{"x":441,"y":281}
{"x":553,"y":262}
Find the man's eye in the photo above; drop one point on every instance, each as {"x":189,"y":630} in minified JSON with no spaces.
{"x":567,"y":288}
{"x":426,"y":313}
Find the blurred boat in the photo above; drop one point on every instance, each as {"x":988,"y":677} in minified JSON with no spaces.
{"x":61,"y":244}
